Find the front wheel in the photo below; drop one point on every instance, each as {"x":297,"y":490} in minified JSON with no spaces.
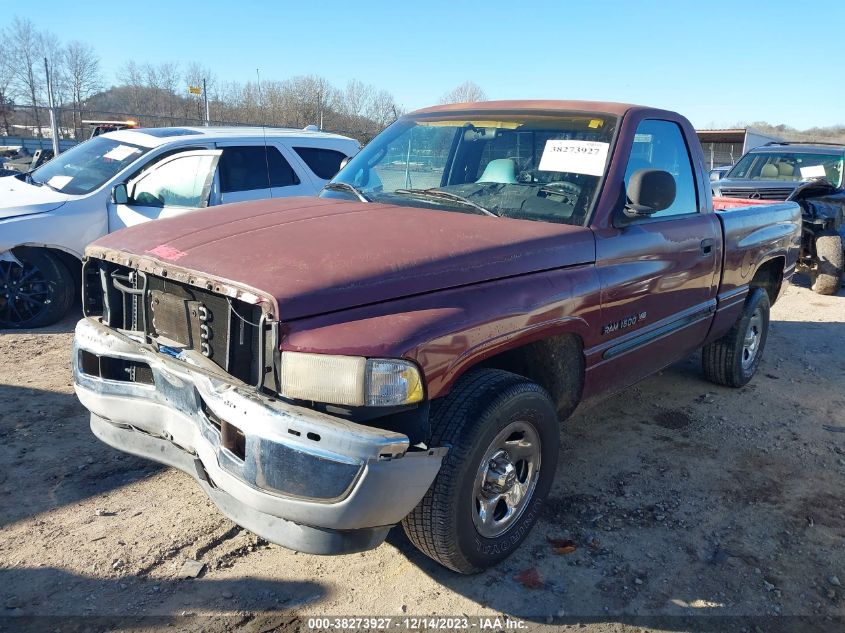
{"x":732,"y":360}
{"x":36,"y":289}
{"x":503,"y":435}
{"x":826,"y":276}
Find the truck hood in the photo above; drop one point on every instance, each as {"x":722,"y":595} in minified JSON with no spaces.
{"x":21,"y":198}
{"x":317,"y":255}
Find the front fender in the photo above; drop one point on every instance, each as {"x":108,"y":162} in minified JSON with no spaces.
{"x":446,"y":333}
{"x":66,"y":229}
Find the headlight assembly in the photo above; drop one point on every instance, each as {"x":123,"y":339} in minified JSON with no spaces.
{"x":350,"y":380}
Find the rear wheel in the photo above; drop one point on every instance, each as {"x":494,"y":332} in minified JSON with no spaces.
{"x":732,"y":360}
{"x":36,"y":289}
{"x":503,"y":435}
{"x":826,"y":276}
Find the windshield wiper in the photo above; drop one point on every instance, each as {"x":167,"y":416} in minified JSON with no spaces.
{"x":445,"y":195}
{"x":345,"y":186}
{"x":48,"y":185}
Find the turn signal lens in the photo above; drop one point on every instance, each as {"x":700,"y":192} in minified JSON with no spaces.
{"x":392,"y":382}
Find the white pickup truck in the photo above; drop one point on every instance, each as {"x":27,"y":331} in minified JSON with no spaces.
{"x":123,"y":178}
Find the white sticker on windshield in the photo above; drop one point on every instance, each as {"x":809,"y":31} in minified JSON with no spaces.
{"x":121,"y":152}
{"x":575,"y":157}
{"x":813,"y":171}
{"x":58,"y":182}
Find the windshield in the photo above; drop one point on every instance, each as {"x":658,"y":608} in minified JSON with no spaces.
{"x":534,"y":167}
{"x":789,"y":166}
{"x":87,"y":166}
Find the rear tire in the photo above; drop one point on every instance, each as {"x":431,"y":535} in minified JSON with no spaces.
{"x":503,"y":435}
{"x":732,"y":360}
{"x":35,"y":292}
{"x":827,"y":276}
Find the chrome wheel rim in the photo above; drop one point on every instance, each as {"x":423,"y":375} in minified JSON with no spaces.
{"x":506,"y":479}
{"x":24,"y":292}
{"x":753,"y":336}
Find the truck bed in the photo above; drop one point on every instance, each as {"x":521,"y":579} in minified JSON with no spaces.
{"x":754,"y":231}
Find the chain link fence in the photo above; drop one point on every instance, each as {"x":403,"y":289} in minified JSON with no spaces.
{"x":32,"y":124}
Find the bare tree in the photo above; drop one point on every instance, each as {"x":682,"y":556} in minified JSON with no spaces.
{"x":168,"y":76}
{"x":27,"y":77}
{"x":154,"y":93}
{"x":6,"y":101}
{"x":356,"y":98}
{"x":132,"y":76}
{"x":196,"y":75}
{"x":51,"y":49}
{"x":467,"y":92}
{"x":81,"y":69}
{"x":309,"y":99}
{"x":155,"y":100}
{"x":383,"y":109}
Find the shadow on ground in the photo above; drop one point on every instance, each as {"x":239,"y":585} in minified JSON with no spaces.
{"x":130,"y":603}
{"x":50,"y":456}
{"x":692,"y":506}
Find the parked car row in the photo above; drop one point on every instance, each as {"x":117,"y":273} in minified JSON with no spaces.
{"x":131,"y":176}
{"x":402,"y":348}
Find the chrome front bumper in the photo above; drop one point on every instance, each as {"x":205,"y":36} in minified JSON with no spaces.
{"x":303,"y":479}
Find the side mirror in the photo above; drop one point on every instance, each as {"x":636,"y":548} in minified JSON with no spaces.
{"x":119,"y":194}
{"x":649,"y":191}
{"x":344,"y":162}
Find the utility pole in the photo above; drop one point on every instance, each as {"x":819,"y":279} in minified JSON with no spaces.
{"x":205,"y":96}
{"x":54,"y":123}
{"x":320,"y":107}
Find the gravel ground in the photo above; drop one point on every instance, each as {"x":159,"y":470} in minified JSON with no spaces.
{"x":684,"y":504}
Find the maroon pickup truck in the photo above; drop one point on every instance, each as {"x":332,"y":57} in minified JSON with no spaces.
{"x":404,"y":347}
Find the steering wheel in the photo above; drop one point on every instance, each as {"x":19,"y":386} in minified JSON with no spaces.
{"x":568,"y":191}
{"x":562,"y":187}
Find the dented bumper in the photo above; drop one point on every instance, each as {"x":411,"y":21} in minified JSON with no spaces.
{"x":303,"y":479}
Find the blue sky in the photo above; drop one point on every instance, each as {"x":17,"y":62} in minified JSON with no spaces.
{"x":715,"y":61}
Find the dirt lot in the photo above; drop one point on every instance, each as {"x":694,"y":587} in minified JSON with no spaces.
{"x":683,"y":501}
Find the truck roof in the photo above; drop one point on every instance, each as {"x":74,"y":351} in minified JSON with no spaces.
{"x":538,"y":105}
{"x":153,"y":137}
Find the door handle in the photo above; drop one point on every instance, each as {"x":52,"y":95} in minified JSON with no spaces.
{"x":706,"y":246}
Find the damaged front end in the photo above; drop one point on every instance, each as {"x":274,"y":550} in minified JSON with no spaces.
{"x":184,"y":370}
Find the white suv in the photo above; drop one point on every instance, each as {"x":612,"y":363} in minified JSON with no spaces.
{"x":127,"y":177}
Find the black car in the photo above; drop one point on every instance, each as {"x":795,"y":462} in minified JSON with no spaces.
{"x":811,"y":174}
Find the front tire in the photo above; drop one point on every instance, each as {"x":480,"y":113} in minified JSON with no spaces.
{"x":732,"y":360}
{"x":36,"y":290}
{"x":503,"y":435}
{"x":826,"y":277}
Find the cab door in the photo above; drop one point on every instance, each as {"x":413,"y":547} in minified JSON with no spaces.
{"x":176,"y":185}
{"x":659,"y":274}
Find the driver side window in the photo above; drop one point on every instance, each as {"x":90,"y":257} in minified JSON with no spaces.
{"x":660,"y":145}
{"x":182,"y":182}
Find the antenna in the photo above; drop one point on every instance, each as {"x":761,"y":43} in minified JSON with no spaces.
{"x":264,"y":131}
